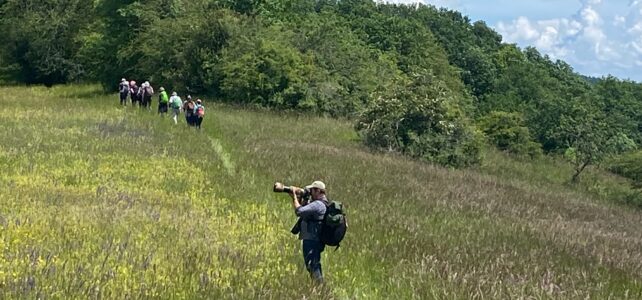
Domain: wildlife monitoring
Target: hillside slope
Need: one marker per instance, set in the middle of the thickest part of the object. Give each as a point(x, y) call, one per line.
point(101, 201)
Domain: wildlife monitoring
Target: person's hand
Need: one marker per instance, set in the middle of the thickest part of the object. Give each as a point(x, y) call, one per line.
point(298, 190)
point(293, 194)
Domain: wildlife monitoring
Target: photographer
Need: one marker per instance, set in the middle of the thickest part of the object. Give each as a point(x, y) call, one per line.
point(311, 216)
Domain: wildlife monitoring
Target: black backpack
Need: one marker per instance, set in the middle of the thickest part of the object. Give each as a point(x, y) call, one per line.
point(334, 224)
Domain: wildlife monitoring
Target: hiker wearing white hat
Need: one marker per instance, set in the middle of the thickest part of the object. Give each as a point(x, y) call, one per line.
point(134, 92)
point(175, 103)
point(123, 90)
point(146, 95)
point(311, 216)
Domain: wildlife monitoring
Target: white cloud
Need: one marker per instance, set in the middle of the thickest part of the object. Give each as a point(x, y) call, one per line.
point(600, 38)
point(594, 45)
point(618, 21)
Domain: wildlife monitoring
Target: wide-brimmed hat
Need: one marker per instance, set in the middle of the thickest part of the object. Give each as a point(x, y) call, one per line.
point(161, 89)
point(174, 94)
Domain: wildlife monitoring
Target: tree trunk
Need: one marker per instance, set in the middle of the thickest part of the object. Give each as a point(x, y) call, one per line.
point(578, 171)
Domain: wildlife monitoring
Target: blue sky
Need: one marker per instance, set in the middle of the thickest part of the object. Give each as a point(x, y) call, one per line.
point(596, 37)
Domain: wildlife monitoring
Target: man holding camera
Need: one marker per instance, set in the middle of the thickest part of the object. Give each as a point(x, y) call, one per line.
point(311, 216)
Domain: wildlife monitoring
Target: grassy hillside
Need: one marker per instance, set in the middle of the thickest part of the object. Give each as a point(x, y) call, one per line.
point(98, 201)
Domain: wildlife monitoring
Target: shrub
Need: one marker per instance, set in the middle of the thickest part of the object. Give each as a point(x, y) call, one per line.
point(264, 68)
point(628, 165)
point(508, 132)
point(420, 117)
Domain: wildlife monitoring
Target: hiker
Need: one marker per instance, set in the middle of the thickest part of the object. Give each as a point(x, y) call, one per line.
point(311, 216)
point(188, 108)
point(123, 89)
point(175, 103)
point(133, 92)
point(163, 100)
point(146, 95)
point(199, 113)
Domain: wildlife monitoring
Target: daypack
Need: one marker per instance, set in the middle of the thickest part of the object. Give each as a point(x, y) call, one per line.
point(124, 87)
point(176, 102)
point(334, 224)
point(200, 111)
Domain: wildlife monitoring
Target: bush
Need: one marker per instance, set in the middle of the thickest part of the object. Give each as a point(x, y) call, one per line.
point(508, 132)
point(420, 117)
point(628, 165)
point(264, 68)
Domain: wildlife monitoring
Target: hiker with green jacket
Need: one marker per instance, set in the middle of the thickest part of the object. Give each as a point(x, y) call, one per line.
point(163, 101)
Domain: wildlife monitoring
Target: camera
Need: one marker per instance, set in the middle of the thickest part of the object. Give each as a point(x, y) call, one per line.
point(303, 194)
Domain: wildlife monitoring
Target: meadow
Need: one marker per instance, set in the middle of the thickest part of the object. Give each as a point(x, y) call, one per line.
point(101, 201)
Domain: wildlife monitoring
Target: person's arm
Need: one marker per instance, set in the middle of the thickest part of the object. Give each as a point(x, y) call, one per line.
point(307, 211)
point(295, 201)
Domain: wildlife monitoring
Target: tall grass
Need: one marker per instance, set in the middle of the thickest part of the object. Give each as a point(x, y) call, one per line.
point(100, 201)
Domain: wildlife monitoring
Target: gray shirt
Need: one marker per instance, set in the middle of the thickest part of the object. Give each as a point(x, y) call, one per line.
point(311, 215)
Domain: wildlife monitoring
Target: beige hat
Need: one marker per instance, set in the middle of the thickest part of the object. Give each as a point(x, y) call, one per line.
point(317, 184)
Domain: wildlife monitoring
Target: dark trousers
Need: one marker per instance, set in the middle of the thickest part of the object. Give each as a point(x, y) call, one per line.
point(123, 98)
point(312, 258)
point(162, 108)
point(147, 101)
point(198, 121)
point(189, 118)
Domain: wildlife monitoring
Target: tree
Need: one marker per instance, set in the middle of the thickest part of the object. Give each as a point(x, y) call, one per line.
point(262, 67)
point(420, 117)
point(41, 39)
point(588, 138)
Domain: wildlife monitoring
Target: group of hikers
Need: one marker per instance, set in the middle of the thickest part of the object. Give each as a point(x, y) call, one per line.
point(194, 110)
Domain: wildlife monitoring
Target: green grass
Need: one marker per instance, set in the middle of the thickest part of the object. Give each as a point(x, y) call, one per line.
point(98, 201)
